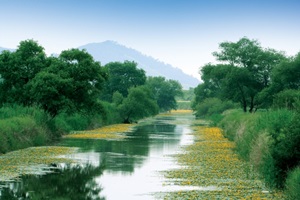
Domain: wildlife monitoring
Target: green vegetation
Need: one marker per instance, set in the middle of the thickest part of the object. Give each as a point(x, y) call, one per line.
point(43, 98)
point(266, 130)
point(210, 163)
point(184, 101)
point(293, 184)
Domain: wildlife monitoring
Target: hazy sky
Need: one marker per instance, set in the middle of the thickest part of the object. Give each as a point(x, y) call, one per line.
point(183, 33)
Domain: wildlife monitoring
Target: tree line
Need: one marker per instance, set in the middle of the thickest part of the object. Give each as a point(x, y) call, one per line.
point(74, 82)
point(250, 75)
point(43, 97)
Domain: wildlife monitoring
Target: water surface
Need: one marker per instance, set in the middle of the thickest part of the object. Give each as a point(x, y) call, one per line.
point(113, 169)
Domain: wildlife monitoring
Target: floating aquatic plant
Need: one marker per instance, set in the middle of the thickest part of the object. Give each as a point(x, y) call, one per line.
point(34, 160)
point(107, 132)
point(211, 162)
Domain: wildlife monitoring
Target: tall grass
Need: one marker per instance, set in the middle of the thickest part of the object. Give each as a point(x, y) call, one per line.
point(293, 184)
point(21, 127)
point(269, 140)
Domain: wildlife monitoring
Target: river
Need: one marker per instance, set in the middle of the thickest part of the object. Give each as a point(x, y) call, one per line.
point(129, 168)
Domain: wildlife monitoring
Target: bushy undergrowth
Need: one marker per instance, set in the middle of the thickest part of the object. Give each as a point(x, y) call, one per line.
point(269, 140)
point(211, 106)
point(184, 105)
point(293, 184)
point(22, 127)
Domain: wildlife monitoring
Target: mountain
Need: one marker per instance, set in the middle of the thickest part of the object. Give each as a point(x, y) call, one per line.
point(110, 51)
point(2, 49)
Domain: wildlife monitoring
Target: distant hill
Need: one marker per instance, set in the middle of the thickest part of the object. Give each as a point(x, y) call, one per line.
point(2, 49)
point(110, 51)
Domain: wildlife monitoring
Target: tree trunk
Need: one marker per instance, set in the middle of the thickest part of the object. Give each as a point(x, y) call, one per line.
point(251, 104)
point(244, 105)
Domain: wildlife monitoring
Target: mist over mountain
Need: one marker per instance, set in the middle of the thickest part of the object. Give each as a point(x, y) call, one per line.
point(110, 51)
point(2, 49)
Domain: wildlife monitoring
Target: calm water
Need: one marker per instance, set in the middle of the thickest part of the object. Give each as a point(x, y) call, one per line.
point(113, 169)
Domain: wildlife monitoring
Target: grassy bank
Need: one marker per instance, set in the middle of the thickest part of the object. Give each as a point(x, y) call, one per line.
point(270, 141)
point(23, 127)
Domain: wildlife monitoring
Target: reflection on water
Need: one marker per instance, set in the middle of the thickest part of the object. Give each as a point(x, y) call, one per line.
point(120, 169)
point(64, 182)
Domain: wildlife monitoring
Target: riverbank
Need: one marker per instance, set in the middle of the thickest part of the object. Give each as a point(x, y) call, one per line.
point(23, 127)
point(211, 165)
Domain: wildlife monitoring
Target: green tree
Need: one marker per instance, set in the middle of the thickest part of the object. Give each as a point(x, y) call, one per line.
point(138, 104)
point(287, 74)
point(72, 83)
point(165, 92)
point(117, 98)
point(18, 68)
point(284, 76)
point(121, 77)
point(255, 65)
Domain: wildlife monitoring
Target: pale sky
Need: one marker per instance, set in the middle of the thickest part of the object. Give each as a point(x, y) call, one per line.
point(183, 33)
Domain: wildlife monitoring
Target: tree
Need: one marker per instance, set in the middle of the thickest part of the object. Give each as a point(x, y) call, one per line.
point(138, 104)
point(18, 68)
point(287, 74)
point(164, 92)
point(284, 76)
point(72, 83)
point(121, 77)
point(50, 92)
point(240, 86)
point(256, 63)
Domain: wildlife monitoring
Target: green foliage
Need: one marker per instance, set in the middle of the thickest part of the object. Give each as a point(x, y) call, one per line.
point(183, 105)
point(138, 104)
point(49, 91)
point(286, 74)
point(286, 99)
point(246, 72)
point(112, 113)
point(18, 68)
point(187, 95)
point(270, 140)
point(67, 123)
point(293, 184)
point(20, 132)
point(117, 98)
point(165, 92)
point(285, 81)
point(70, 83)
point(211, 106)
point(121, 77)
point(67, 88)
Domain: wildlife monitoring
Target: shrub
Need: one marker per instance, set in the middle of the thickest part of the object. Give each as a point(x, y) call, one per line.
point(20, 132)
point(283, 129)
point(293, 184)
point(212, 106)
point(286, 99)
point(183, 105)
point(270, 140)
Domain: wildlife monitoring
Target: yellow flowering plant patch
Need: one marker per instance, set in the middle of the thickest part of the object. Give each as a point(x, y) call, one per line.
point(115, 131)
point(181, 111)
point(34, 160)
point(210, 162)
